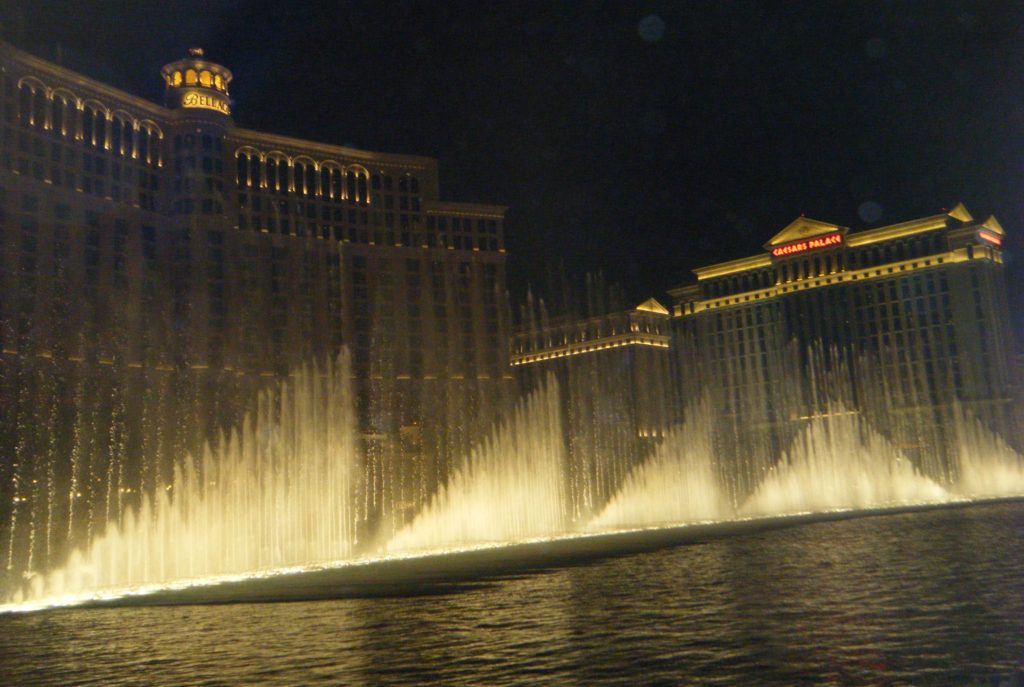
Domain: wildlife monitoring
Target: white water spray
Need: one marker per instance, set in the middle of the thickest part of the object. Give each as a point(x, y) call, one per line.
point(276, 493)
point(511, 488)
point(837, 462)
point(676, 485)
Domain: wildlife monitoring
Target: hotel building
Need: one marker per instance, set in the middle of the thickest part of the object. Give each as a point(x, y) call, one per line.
point(159, 264)
point(915, 312)
point(613, 373)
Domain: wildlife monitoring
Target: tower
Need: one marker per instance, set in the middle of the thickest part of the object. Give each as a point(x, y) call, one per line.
point(197, 95)
point(196, 84)
point(197, 92)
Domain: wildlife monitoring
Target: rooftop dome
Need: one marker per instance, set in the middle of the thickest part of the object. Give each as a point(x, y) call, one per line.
point(195, 83)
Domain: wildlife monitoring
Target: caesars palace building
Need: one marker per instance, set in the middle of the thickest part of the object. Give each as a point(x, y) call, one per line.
point(162, 253)
point(915, 313)
point(905, 325)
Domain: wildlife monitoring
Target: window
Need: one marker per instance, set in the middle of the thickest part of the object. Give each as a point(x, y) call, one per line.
point(25, 94)
point(272, 181)
point(59, 110)
point(243, 178)
point(300, 177)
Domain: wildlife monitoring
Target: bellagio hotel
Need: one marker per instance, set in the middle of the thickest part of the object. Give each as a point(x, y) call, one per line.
point(164, 238)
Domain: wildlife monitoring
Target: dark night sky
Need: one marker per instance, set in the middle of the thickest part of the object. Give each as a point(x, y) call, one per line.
point(638, 138)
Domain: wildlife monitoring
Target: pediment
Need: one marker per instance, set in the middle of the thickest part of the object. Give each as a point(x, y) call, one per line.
point(651, 305)
point(993, 224)
point(960, 212)
point(802, 228)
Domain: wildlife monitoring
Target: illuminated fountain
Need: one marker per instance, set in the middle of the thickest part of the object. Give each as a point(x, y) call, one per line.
point(675, 485)
point(511, 488)
point(288, 490)
point(988, 467)
point(279, 492)
point(837, 462)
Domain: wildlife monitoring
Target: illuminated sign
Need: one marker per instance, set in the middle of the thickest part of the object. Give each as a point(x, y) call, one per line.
point(988, 236)
point(205, 101)
point(807, 244)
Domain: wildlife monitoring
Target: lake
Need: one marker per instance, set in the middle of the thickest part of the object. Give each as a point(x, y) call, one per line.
point(925, 598)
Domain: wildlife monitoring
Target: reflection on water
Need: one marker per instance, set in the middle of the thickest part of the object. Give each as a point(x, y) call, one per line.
point(925, 598)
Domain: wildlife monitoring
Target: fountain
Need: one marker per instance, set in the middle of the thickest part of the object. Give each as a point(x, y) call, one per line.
point(837, 462)
point(988, 467)
point(511, 488)
point(675, 485)
point(277, 493)
point(290, 488)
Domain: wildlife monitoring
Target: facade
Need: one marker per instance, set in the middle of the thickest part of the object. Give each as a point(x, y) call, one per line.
point(159, 264)
point(635, 341)
point(613, 376)
point(901, 323)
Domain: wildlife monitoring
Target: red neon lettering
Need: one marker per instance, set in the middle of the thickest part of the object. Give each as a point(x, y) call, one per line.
point(990, 237)
point(810, 244)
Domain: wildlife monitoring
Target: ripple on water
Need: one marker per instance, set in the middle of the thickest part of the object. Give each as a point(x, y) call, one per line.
point(926, 598)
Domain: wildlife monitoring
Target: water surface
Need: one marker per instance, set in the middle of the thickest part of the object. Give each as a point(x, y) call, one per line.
point(927, 598)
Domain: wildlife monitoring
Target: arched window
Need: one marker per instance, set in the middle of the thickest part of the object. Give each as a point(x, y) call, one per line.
point(272, 174)
point(88, 125)
point(310, 180)
point(337, 183)
point(177, 78)
point(150, 137)
point(364, 195)
point(205, 78)
point(299, 168)
point(351, 186)
point(144, 144)
point(25, 103)
point(64, 113)
point(94, 125)
point(218, 82)
point(39, 105)
point(282, 175)
point(100, 135)
point(325, 182)
point(128, 139)
point(120, 133)
point(190, 77)
point(58, 114)
point(277, 173)
point(115, 135)
point(254, 170)
point(243, 178)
